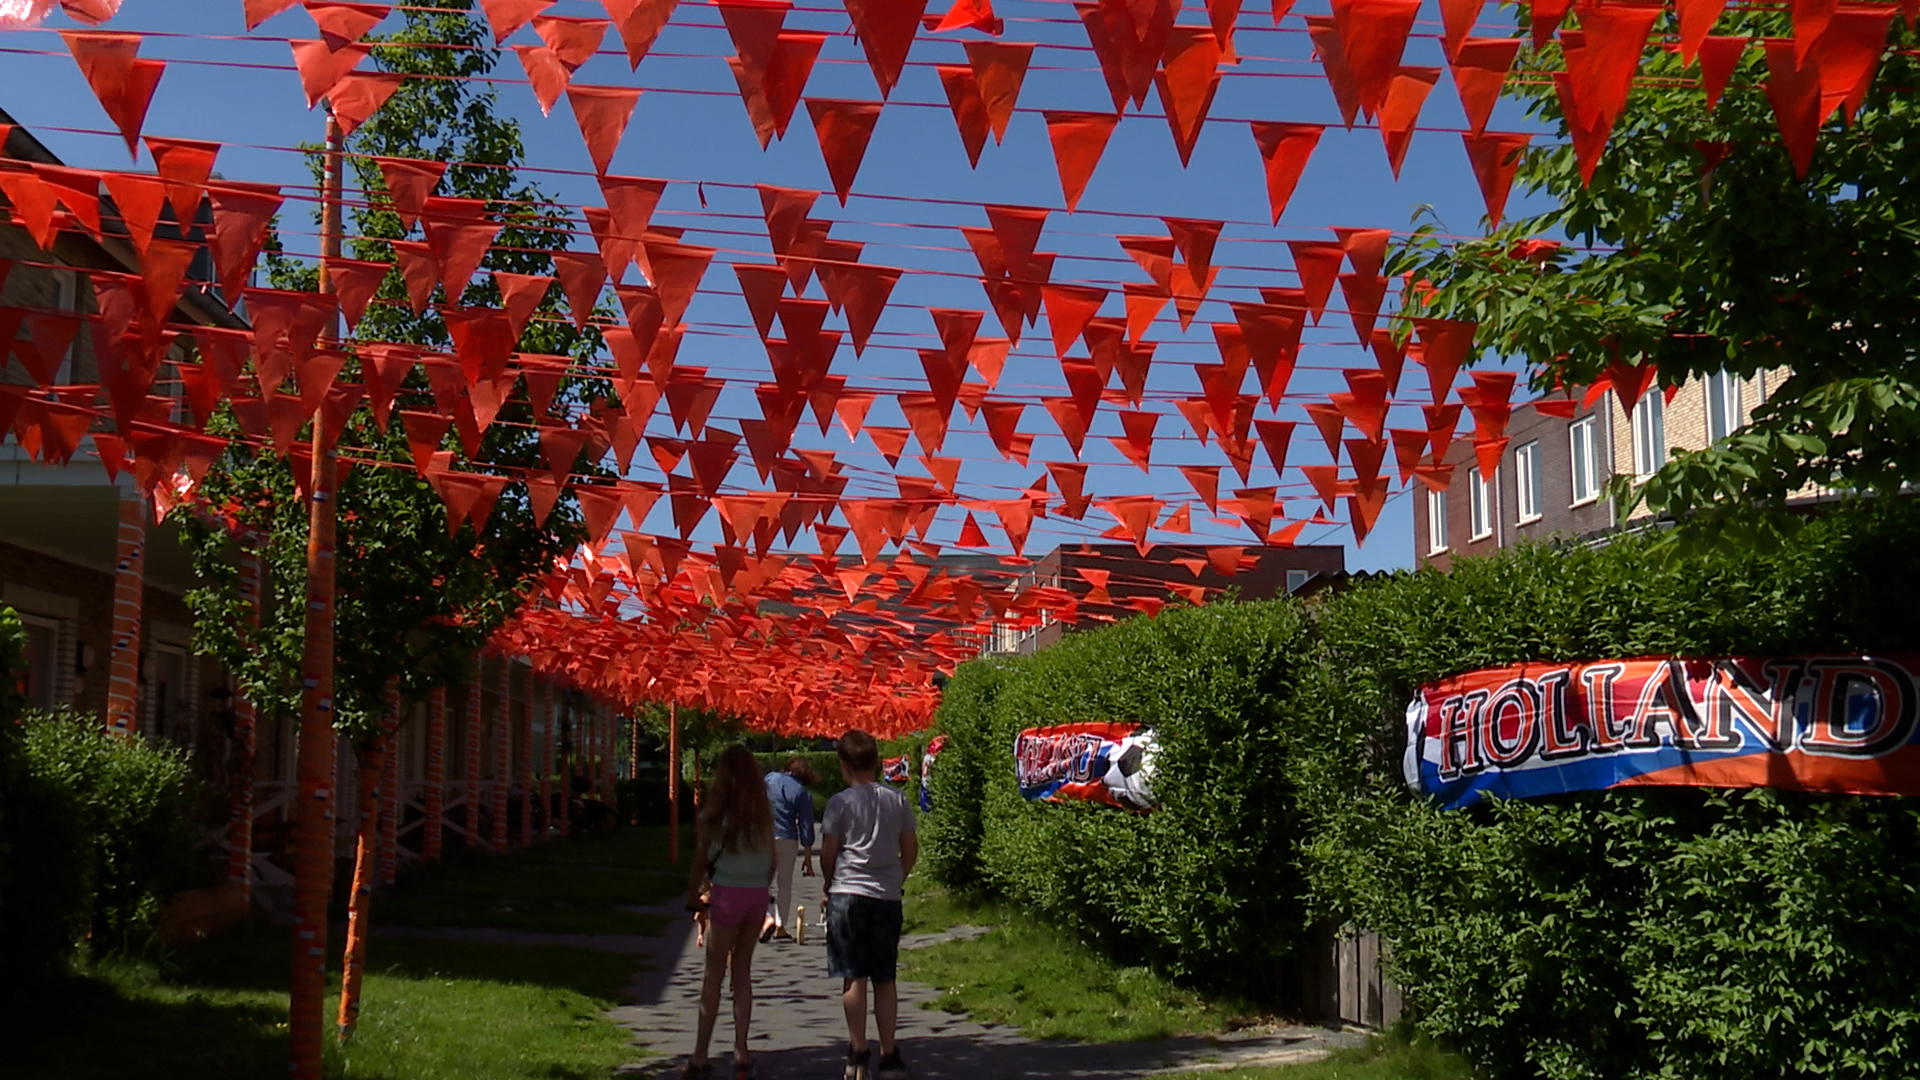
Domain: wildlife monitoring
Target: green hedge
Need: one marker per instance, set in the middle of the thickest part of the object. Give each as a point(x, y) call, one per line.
point(1637, 933)
point(1634, 934)
point(1205, 887)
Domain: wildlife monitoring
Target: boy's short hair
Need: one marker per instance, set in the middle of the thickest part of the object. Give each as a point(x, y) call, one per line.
point(859, 752)
point(798, 768)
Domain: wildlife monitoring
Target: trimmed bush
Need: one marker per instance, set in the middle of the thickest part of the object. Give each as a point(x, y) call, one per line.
point(133, 804)
point(950, 836)
point(1643, 932)
point(1204, 887)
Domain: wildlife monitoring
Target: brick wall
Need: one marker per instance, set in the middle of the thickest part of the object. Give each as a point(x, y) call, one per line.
point(1685, 422)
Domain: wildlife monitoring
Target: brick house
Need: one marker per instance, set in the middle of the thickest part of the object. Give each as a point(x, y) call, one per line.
point(1553, 470)
point(62, 557)
point(1264, 573)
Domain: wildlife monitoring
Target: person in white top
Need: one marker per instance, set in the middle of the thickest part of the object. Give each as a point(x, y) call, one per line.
point(870, 847)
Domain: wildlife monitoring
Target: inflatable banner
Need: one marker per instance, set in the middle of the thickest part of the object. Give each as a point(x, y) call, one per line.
point(938, 744)
point(1843, 724)
point(1111, 764)
point(894, 770)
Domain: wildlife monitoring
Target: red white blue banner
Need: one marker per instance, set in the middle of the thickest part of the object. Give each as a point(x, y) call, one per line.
point(895, 770)
point(1842, 724)
point(1106, 763)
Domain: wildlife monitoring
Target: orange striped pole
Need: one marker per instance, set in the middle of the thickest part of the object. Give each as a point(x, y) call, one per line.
point(436, 790)
point(129, 582)
point(314, 821)
point(375, 781)
point(240, 818)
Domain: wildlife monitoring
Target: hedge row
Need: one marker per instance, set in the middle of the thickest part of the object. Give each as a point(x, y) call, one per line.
point(1634, 934)
point(1179, 887)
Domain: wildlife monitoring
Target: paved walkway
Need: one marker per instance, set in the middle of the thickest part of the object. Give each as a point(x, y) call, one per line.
point(799, 1032)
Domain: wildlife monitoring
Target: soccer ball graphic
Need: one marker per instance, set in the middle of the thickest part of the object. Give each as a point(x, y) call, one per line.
point(1129, 775)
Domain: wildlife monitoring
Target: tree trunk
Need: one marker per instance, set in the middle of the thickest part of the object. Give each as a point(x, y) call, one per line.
point(373, 778)
point(313, 827)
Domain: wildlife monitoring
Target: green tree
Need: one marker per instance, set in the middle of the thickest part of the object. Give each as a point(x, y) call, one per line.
point(415, 601)
point(1695, 268)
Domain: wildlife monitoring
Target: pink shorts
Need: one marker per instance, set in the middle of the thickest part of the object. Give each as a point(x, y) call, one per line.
point(731, 906)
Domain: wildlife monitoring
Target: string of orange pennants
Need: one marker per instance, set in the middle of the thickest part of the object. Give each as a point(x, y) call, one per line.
point(808, 643)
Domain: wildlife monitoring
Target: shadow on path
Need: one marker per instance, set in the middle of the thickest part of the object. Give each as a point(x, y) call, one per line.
point(799, 1032)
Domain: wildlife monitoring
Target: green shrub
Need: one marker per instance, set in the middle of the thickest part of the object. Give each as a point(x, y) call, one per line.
point(1204, 887)
point(43, 884)
point(1641, 932)
point(951, 834)
point(133, 808)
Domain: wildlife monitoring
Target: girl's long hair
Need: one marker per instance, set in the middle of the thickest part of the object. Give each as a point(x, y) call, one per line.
point(736, 809)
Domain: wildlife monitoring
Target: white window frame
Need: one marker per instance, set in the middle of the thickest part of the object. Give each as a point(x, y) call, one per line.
point(1480, 504)
point(1526, 482)
point(1297, 579)
point(1649, 433)
point(1726, 405)
point(1436, 521)
point(1583, 460)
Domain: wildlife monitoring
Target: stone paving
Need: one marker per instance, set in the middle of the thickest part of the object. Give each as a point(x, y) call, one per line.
point(799, 1032)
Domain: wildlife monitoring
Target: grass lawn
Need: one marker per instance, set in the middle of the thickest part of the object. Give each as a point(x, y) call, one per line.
point(1028, 974)
point(431, 1009)
point(574, 887)
point(1385, 1058)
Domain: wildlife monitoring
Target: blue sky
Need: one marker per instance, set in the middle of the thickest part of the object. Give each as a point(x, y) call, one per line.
point(682, 134)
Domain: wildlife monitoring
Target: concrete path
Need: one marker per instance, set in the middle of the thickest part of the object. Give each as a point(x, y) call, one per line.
point(799, 1032)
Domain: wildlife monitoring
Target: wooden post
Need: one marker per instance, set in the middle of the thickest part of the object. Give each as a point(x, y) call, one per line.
point(436, 794)
point(525, 769)
point(502, 754)
point(470, 787)
point(389, 836)
point(673, 784)
point(313, 825)
point(246, 740)
point(549, 727)
point(129, 584)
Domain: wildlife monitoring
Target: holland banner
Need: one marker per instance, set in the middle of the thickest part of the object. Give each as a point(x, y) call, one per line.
point(1106, 763)
point(1842, 724)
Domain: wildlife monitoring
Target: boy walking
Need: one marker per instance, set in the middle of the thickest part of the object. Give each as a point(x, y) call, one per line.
point(870, 847)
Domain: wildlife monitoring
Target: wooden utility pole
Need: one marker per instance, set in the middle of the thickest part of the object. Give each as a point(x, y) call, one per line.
point(673, 784)
point(314, 814)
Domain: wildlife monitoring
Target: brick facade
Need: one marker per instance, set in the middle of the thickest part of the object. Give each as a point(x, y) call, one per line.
point(1685, 420)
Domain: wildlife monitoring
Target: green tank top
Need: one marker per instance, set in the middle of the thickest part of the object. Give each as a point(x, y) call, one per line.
point(743, 869)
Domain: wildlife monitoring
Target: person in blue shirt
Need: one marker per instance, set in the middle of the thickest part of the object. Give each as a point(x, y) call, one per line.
point(792, 835)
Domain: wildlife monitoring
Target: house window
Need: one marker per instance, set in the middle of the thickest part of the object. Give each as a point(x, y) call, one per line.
point(1725, 411)
point(1649, 433)
point(1297, 580)
point(1582, 454)
point(1481, 506)
point(1526, 479)
point(43, 644)
point(1436, 521)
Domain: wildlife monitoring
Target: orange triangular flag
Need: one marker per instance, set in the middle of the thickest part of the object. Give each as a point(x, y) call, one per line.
point(602, 113)
point(506, 16)
point(1188, 78)
point(886, 30)
point(1079, 138)
point(999, 69)
point(410, 184)
point(1285, 148)
point(843, 129)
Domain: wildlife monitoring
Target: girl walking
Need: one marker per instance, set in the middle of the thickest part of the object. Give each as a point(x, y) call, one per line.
point(734, 846)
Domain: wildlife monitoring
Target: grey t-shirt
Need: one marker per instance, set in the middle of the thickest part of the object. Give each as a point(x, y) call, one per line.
point(869, 820)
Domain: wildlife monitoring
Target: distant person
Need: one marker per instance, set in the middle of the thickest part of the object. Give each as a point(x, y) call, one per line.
point(870, 848)
point(792, 834)
point(733, 836)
